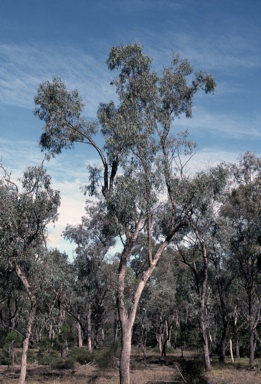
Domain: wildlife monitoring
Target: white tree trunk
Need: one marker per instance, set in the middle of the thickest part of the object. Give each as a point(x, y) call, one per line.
point(30, 321)
point(89, 327)
point(79, 333)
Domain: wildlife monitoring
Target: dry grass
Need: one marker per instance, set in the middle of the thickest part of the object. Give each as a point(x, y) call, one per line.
point(156, 370)
point(235, 373)
point(85, 375)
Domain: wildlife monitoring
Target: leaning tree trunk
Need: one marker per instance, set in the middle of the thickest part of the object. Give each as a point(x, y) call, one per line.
point(126, 317)
point(30, 321)
point(26, 343)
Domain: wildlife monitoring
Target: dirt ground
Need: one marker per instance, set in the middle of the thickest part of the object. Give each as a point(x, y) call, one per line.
point(165, 372)
point(84, 374)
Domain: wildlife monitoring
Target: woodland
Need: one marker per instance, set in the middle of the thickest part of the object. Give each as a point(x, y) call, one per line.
point(188, 273)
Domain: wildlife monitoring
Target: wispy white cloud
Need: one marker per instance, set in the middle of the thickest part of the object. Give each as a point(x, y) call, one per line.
point(229, 125)
point(23, 68)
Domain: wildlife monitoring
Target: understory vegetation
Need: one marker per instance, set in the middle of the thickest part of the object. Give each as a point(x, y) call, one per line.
point(82, 367)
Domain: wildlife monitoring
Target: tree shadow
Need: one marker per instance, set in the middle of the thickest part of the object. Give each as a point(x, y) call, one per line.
point(191, 371)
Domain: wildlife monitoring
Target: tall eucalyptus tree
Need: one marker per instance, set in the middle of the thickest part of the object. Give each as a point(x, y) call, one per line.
point(24, 217)
point(203, 197)
point(243, 208)
point(137, 157)
point(93, 238)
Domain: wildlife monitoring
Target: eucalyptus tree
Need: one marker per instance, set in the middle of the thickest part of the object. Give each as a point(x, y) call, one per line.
point(93, 238)
point(25, 213)
point(203, 195)
point(243, 208)
point(137, 155)
point(224, 281)
point(10, 299)
point(57, 281)
point(160, 303)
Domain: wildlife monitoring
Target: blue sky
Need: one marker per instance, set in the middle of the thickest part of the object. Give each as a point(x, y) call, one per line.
point(40, 39)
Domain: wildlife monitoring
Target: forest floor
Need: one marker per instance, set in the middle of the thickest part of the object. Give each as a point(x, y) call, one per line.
point(172, 369)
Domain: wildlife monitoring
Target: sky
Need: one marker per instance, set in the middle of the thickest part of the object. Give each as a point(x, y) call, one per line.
point(71, 39)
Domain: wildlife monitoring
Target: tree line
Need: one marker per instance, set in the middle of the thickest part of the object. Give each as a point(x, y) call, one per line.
point(188, 274)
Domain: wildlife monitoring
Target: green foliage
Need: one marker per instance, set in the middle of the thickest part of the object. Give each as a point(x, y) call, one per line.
point(65, 338)
point(80, 355)
point(45, 344)
point(192, 371)
point(189, 335)
point(107, 357)
point(63, 364)
point(67, 106)
point(31, 355)
point(47, 358)
point(5, 358)
point(169, 349)
point(14, 337)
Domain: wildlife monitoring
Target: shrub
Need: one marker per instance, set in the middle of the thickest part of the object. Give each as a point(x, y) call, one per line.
point(45, 344)
point(80, 355)
point(63, 364)
point(47, 359)
point(192, 371)
point(169, 349)
point(5, 358)
point(14, 337)
point(107, 357)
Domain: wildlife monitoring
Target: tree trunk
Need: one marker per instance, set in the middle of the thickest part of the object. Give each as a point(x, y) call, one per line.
point(206, 357)
point(126, 337)
point(203, 308)
point(159, 340)
point(223, 341)
point(166, 338)
point(231, 350)
point(26, 344)
point(251, 329)
point(89, 327)
point(30, 321)
point(127, 318)
point(236, 333)
point(251, 342)
point(79, 332)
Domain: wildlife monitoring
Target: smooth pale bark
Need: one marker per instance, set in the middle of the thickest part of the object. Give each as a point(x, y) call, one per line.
point(166, 337)
point(30, 321)
point(125, 353)
point(127, 318)
point(79, 332)
point(231, 350)
point(89, 327)
point(235, 328)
